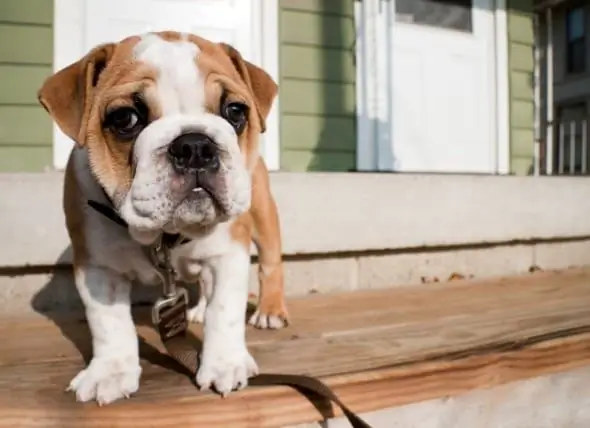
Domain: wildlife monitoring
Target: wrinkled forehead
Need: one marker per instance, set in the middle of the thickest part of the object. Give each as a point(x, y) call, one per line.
point(180, 71)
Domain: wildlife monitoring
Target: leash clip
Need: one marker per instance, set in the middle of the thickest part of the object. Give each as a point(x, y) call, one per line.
point(172, 297)
point(166, 305)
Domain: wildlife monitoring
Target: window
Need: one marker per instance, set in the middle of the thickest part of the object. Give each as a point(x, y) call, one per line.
point(576, 40)
point(449, 14)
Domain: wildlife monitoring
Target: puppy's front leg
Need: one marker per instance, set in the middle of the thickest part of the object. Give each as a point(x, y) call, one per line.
point(114, 370)
point(226, 363)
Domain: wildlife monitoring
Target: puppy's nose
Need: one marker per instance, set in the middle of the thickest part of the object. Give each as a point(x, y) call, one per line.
point(193, 152)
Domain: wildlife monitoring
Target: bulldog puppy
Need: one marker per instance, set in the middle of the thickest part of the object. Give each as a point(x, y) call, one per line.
point(166, 127)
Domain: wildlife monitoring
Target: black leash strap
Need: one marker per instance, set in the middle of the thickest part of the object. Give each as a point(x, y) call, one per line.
point(169, 318)
point(307, 385)
point(172, 326)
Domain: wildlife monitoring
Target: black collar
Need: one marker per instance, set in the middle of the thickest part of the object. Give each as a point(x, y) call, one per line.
point(109, 212)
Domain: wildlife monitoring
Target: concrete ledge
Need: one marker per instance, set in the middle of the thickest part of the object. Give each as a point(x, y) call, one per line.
point(349, 212)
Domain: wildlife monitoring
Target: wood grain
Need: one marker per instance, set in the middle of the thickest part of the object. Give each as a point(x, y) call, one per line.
point(376, 349)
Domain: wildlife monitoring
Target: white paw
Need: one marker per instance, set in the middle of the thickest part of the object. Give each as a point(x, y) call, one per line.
point(106, 380)
point(226, 372)
point(264, 321)
point(197, 313)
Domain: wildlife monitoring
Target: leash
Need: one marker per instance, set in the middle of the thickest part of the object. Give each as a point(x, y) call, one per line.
point(170, 320)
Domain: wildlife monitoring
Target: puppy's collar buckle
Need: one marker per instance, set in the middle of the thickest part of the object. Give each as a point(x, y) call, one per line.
point(172, 296)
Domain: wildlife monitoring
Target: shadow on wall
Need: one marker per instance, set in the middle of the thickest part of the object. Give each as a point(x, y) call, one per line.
point(335, 148)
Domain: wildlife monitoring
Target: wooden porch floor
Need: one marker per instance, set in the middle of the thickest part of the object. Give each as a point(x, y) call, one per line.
point(377, 349)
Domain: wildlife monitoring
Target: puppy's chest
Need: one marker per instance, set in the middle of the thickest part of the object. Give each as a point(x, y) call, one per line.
point(189, 259)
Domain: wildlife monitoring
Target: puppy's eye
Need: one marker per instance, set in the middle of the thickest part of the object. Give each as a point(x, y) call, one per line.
point(236, 114)
point(125, 122)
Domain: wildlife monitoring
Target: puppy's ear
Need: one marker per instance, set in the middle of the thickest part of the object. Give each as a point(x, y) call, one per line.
point(65, 94)
point(263, 88)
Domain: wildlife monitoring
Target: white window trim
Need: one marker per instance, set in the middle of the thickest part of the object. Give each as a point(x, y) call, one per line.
point(266, 30)
point(371, 27)
point(502, 89)
point(68, 46)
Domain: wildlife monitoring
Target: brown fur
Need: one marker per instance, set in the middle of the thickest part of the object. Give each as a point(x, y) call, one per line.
point(76, 97)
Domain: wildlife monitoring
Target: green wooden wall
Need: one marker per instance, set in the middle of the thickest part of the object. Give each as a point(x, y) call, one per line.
point(26, 56)
point(317, 84)
point(521, 67)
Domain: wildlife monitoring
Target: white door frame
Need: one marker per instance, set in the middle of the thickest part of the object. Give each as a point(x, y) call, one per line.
point(68, 46)
point(373, 79)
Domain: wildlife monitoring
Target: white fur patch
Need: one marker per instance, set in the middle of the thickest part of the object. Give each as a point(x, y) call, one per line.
point(226, 363)
point(180, 85)
point(114, 370)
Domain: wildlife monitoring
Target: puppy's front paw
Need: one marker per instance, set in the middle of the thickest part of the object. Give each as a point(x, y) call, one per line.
point(271, 313)
point(226, 371)
point(107, 379)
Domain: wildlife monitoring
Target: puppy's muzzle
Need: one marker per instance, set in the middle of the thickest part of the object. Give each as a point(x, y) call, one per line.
point(194, 152)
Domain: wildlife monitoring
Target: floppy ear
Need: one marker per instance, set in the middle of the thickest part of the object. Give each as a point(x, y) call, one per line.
point(260, 83)
point(64, 94)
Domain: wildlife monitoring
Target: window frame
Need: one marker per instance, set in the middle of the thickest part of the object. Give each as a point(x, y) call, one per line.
point(571, 67)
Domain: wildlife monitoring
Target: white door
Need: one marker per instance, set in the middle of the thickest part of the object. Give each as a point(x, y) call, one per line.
point(218, 20)
point(442, 83)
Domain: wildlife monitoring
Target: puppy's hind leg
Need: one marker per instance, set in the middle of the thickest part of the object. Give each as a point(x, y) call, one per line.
point(272, 309)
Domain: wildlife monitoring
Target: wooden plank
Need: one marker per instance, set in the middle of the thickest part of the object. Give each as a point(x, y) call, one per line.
point(318, 133)
point(317, 63)
point(278, 406)
point(19, 84)
point(24, 125)
point(519, 301)
point(28, 44)
point(377, 349)
point(320, 29)
point(27, 11)
point(25, 158)
point(317, 160)
point(318, 98)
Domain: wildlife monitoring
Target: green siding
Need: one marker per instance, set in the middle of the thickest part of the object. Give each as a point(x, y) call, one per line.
point(26, 56)
point(317, 85)
point(520, 63)
point(308, 160)
point(27, 11)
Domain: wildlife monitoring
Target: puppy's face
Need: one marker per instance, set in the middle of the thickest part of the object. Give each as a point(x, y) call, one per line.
point(171, 124)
